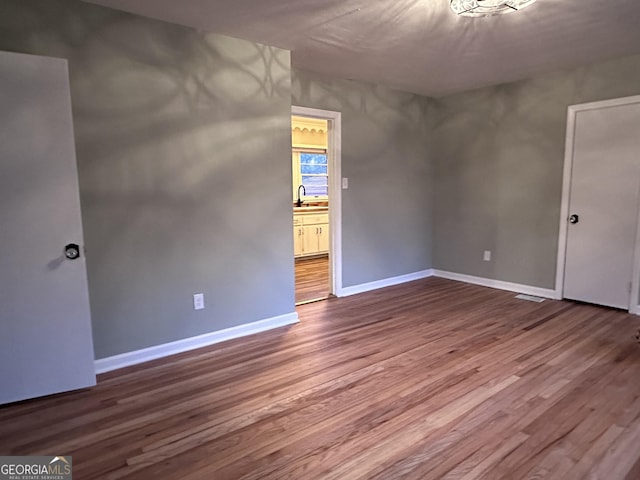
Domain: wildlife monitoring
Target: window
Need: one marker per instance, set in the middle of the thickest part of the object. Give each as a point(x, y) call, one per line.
point(311, 169)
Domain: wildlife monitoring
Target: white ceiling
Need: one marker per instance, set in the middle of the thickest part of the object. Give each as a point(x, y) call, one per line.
point(418, 46)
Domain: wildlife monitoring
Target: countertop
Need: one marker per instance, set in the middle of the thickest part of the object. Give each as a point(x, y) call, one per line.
point(310, 209)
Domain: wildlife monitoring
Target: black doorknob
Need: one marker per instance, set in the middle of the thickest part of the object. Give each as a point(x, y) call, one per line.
point(72, 251)
point(574, 218)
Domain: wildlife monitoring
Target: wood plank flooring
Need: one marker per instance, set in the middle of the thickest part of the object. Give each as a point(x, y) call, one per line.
point(429, 380)
point(312, 278)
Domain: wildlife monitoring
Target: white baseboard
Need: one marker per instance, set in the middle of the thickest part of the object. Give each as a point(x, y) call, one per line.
point(107, 364)
point(485, 282)
point(500, 285)
point(387, 282)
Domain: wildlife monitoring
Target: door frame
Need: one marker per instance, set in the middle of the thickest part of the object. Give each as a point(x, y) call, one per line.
point(572, 113)
point(335, 189)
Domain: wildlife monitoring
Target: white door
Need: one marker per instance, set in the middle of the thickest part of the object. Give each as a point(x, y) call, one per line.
point(45, 327)
point(603, 205)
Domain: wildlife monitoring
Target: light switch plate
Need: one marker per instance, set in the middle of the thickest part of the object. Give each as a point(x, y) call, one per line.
point(345, 183)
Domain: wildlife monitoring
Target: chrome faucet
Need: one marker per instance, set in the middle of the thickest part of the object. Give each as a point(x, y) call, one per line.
point(304, 192)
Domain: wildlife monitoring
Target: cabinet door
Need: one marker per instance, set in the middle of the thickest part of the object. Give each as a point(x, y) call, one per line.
point(310, 239)
point(297, 241)
point(323, 238)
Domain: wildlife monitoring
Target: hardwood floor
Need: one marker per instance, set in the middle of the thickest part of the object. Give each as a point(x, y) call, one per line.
point(429, 380)
point(312, 278)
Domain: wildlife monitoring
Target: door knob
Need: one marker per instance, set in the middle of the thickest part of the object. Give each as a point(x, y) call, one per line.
point(574, 218)
point(72, 251)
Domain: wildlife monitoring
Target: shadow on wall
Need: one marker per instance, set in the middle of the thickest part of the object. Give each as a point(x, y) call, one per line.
point(385, 145)
point(499, 162)
point(183, 147)
point(499, 175)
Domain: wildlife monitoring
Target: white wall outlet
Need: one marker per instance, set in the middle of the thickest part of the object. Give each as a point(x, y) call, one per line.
point(198, 301)
point(345, 183)
point(487, 255)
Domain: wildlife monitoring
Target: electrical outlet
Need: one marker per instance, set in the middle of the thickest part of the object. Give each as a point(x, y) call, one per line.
point(198, 301)
point(345, 183)
point(487, 255)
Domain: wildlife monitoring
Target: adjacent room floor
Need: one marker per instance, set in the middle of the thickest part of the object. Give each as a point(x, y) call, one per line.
point(312, 278)
point(428, 380)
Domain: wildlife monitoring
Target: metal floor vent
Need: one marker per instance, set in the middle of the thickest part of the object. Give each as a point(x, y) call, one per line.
point(531, 298)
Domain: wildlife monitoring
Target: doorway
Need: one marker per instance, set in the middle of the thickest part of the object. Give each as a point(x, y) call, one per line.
point(598, 245)
point(316, 200)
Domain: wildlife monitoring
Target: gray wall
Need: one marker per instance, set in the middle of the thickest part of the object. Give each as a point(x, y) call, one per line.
point(386, 212)
point(499, 155)
point(176, 198)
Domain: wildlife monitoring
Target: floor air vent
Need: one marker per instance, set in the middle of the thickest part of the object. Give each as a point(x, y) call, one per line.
point(531, 298)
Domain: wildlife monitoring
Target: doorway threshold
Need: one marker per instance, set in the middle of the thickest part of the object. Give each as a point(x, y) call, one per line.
point(314, 300)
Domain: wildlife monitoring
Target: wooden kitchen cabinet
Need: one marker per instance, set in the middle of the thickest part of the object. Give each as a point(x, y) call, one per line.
point(310, 233)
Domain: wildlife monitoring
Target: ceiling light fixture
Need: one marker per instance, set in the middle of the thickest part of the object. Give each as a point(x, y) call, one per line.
point(483, 8)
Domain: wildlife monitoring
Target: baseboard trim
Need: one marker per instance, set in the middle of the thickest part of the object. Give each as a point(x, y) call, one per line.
point(500, 285)
point(387, 282)
point(122, 360)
